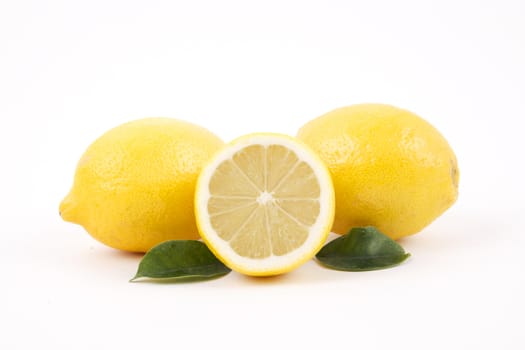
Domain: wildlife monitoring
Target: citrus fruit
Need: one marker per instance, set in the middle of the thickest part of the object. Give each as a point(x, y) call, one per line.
point(264, 204)
point(134, 186)
point(391, 169)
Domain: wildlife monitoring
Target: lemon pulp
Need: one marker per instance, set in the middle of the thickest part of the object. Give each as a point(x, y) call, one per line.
point(265, 204)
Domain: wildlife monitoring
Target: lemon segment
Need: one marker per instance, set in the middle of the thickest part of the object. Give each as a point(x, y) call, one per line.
point(264, 204)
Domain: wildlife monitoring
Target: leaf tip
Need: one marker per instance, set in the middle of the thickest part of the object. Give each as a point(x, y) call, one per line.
point(135, 278)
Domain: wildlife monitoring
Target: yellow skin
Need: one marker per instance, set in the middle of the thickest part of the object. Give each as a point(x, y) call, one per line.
point(391, 169)
point(134, 186)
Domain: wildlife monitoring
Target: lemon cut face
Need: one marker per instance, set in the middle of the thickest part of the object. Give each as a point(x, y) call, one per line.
point(264, 204)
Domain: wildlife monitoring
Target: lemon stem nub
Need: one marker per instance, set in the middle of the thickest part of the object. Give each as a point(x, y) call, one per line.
point(67, 209)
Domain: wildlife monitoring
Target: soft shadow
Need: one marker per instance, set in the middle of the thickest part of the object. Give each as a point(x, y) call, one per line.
point(309, 273)
point(128, 255)
point(266, 280)
point(111, 253)
point(454, 235)
point(178, 280)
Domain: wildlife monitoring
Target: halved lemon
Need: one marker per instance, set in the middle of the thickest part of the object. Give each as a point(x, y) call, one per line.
point(264, 204)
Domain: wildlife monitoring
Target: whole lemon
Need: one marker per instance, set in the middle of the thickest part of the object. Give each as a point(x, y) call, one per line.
point(134, 186)
point(391, 169)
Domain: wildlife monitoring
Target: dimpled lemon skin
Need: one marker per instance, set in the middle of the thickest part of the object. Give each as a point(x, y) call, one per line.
point(391, 169)
point(134, 186)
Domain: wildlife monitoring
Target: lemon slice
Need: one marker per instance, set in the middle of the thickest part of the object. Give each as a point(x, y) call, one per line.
point(264, 204)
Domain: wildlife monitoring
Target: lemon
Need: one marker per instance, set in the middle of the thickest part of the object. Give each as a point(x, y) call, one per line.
point(264, 204)
point(391, 169)
point(134, 186)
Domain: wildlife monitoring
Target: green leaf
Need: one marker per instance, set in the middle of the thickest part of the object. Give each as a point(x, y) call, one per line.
point(362, 249)
point(179, 260)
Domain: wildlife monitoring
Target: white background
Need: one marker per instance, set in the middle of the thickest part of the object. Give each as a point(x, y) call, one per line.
point(70, 70)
